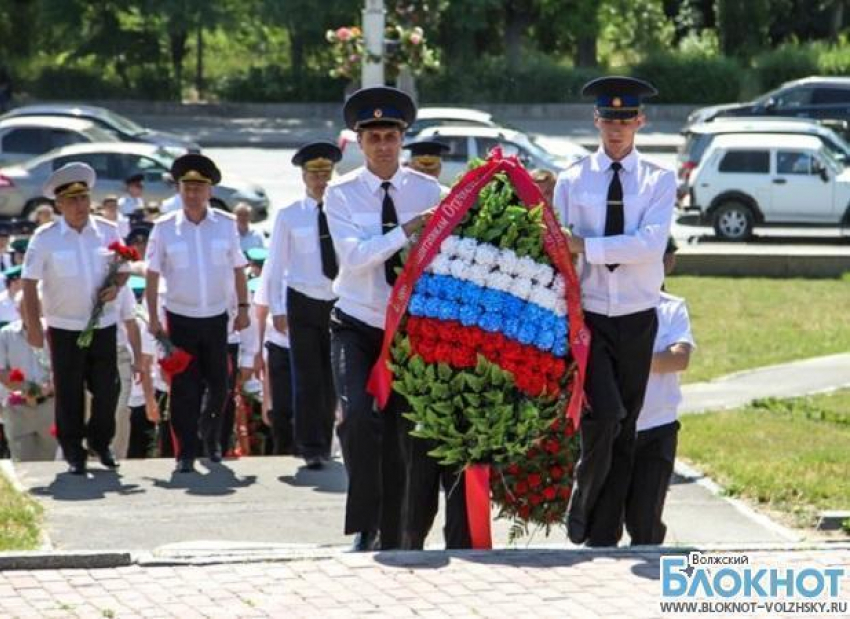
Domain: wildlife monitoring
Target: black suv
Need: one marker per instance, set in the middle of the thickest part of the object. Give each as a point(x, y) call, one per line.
point(820, 98)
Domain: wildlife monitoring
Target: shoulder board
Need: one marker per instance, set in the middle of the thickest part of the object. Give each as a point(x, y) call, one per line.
point(345, 178)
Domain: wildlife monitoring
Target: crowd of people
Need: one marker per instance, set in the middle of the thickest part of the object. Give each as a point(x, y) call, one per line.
point(280, 335)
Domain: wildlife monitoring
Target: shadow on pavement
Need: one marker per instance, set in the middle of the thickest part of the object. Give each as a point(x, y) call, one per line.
point(95, 485)
point(219, 480)
point(331, 478)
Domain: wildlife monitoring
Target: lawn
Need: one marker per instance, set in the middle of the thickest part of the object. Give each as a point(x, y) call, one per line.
point(791, 455)
point(20, 519)
point(742, 323)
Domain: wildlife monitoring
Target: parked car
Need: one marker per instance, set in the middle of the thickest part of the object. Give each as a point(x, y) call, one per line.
point(352, 156)
point(25, 138)
point(699, 137)
point(20, 186)
point(120, 126)
point(821, 98)
point(750, 180)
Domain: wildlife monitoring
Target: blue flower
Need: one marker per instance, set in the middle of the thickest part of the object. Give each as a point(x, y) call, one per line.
point(492, 300)
point(472, 293)
point(527, 333)
point(532, 313)
point(439, 286)
point(453, 289)
point(423, 284)
point(448, 310)
point(545, 339)
point(491, 321)
point(560, 327)
point(468, 314)
point(417, 304)
point(511, 326)
point(432, 307)
point(512, 306)
point(560, 347)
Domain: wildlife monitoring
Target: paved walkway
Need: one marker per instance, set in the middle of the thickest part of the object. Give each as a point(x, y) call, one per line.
point(538, 583)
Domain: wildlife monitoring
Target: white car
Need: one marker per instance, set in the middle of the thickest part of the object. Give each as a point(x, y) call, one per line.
point(25, 137)
point(352, 156)
point(748, 180)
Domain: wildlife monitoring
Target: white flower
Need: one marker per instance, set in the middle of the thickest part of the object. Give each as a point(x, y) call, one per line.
point(465, 249)
point(486, 255)
point(441, 264)
point(561, 306)
point(477, 274)
point(521, 288)
point(507, 261)
point(544, 274)
point(526, 268)
point(449, 245)
point(559, 286)
point(458, 268)
point(543, 297)
point(500, 281)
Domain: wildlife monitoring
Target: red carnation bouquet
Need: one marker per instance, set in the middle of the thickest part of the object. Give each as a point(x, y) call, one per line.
point(121, 254)
point(175, 360)
point(28, 394)
point(536, 490)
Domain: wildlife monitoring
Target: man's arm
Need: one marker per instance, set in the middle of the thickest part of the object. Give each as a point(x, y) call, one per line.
point(675, 359)
point(32, 314)
point(134, 336)
point(274, 272)
point(243, 319)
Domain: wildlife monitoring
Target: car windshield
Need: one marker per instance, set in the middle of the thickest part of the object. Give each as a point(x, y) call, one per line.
point(122, 123)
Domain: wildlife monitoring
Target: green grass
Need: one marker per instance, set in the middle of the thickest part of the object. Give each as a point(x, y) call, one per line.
point(790, 455)
point(743, 323)
point(20, 519)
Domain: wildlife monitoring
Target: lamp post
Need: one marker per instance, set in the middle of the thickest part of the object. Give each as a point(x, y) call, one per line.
point(374, 17)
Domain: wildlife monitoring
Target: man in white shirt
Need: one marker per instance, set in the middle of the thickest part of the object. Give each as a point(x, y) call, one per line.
point(619, 207)
point(301, 268)
point(657, 424)
point(196, 250)
point(70, 257)
point(249, 238)
point(372, 213)
point(133, 200)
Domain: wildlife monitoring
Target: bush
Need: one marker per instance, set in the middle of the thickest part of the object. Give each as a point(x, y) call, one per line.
point(691, 78)
point(788, 62)
point(72, 83)
point(274, 83)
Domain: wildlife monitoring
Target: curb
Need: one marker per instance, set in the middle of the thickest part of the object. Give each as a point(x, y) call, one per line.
point(64, 560)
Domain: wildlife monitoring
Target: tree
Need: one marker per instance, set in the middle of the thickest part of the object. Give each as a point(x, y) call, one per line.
point(743, 26)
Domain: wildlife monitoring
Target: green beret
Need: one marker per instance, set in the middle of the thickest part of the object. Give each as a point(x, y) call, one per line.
point(257, 254)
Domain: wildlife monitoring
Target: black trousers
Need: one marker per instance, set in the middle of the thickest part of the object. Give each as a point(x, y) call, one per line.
point(142, 441)
point(229, 415)
point(206, 340)
point(76, 369)
point(312, 375)
point(424, 478)
point(655, 456)
point(617, 373)
point(280, 384)
point(370, 439)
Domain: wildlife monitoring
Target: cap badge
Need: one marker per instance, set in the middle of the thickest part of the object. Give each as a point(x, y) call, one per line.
point(616, 102)
point(378, 113)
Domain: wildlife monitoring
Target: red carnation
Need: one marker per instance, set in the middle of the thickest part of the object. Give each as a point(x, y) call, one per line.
point(535, 499)
point(524, 512)
point(123, 251)
point(553, 446)
point(512, 469)
point(549, 493)
point(534, 480)
point(176, 362)
point(521, 488)
point(533, 453)
point(565, 492)
point(54, 432)
point(16, 375)
point(556, 472)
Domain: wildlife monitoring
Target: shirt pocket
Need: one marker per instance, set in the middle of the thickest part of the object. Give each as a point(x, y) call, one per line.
point(305, 240)
point(65, 263)
point(587, 212)
point(220, 252)
point(177, 255)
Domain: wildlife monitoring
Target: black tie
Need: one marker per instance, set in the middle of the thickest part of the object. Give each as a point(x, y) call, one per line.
point(326, 246)
point(389, 220)
point(614, 218)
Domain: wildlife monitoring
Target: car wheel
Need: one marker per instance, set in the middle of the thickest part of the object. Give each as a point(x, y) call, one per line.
point(733, 221)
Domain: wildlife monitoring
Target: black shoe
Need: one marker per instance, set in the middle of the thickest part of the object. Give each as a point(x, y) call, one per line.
point(314, 463)
point(77, 468)
point(107, 458)
point(185, 466)
point(214, 451)
point(365, 541)
point(576, 531)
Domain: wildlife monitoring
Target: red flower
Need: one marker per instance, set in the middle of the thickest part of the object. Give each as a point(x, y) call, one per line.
point(565, 492)
point(549, 493)
point(54, 432)
point(175, 363)
point(534, 480)
point(556, 472)
point(512, 469)
point(123, 251)
point(524, 512)
point(535, 499)
point(16, 375)
point(520, 488)
point(553, 446)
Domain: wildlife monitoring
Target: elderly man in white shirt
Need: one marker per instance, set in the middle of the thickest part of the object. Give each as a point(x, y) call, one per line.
point(301, 268)
point(70, 257)
point(619, 207)
point(372, 214)
point(196, 250)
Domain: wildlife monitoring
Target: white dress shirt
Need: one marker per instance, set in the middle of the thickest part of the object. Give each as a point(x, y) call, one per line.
point(72, 267)
point(261, 297)
point(353, 207)
point(295, 258)
point(251, 239)
point(649, 195)
point(15, 352)
point(196, 260)
point(127, 204)
point(8, 308)
point(663, 395)
point(126, 304)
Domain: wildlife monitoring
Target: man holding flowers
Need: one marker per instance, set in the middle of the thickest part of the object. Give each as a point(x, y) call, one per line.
point(619, 207)
point(72, 259)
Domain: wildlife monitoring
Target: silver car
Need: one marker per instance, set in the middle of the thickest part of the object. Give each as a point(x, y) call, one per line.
point(27, 137)
point(20, 186)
